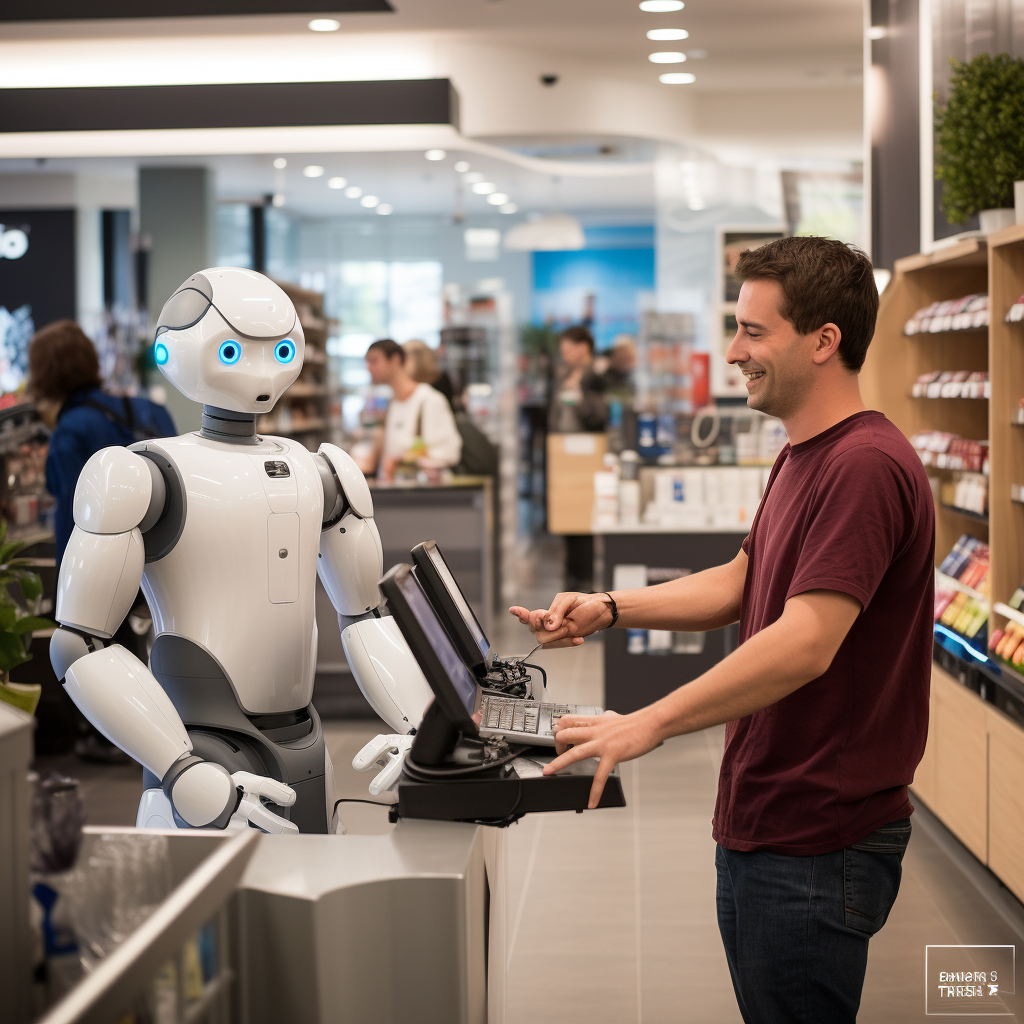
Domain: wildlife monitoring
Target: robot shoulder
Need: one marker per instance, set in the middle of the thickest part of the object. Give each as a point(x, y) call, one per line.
point(349, 481)
point(114, 492)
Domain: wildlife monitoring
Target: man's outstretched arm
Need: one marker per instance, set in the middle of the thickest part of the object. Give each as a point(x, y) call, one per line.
point(798, 647)
point(707, 600)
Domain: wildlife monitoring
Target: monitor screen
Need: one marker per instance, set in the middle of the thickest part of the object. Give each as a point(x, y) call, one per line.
point(455, 592)
point(458, 674)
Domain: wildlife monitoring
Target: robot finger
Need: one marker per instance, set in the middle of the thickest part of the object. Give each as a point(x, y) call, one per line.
point(265, 819)
point(261, 786)
point(388, 778)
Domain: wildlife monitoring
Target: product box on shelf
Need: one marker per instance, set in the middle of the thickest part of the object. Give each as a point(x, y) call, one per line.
point(964, 314)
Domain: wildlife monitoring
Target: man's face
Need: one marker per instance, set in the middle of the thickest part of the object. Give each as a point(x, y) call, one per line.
point(574, 353)
point(382, 370)
point(777, 361)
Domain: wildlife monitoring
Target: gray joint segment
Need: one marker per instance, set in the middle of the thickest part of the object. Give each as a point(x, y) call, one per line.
point(176, 771)
point(228, 426)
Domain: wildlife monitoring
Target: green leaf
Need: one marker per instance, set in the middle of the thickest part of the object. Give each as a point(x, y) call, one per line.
point(12, 651)
point(31, 584)
point(30, 623)
point(8, 551)
point(8, 616)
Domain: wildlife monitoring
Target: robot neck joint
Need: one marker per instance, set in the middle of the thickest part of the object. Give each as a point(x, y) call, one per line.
point(228, 426)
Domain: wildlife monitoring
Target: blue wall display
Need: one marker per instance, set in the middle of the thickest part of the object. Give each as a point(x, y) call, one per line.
point(601, 285)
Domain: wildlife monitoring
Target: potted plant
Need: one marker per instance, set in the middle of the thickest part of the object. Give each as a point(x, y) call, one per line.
point(20, 594)
point(979, 138)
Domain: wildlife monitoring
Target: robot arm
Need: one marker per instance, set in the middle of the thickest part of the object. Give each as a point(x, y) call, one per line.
point(119, 496)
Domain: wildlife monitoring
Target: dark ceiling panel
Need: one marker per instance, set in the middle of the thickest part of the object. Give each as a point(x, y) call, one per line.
point(258, 105)
point(69, 10)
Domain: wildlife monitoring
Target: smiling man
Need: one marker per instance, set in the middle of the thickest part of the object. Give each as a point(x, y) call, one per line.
point(826, 697)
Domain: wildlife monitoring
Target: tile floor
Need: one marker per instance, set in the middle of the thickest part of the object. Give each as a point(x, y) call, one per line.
point(611, 914)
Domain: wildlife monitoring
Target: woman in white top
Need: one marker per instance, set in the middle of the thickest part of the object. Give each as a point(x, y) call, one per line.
point(419, 427)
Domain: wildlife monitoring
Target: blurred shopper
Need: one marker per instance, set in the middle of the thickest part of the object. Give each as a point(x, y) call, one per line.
point(617, 379)
point(64, 380)
point(577, 403)
point(826, 697)
point(419, 429)
point(421, 364)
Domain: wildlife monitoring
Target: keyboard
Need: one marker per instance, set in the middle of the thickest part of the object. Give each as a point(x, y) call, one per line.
point(527, 721)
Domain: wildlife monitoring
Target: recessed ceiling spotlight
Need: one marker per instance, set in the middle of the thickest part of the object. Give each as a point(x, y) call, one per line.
point(324, 25)
point(474, 176)
point(369, 202)
point(510, 208)
point(662, 34)
point(313, 171)
point(435, 154)
point(462, 166)
point(667, 57)
point(278, 199)
point(661, 6)
point(385, 208)
point(677, 78)
point(336, 182)
point(280, 164)
point(353, 192)
point(497, 199)
point(484, 188)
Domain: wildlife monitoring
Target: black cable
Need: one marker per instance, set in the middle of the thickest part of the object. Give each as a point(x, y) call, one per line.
point(429, 773)
point(356, 800)
point(527, 664)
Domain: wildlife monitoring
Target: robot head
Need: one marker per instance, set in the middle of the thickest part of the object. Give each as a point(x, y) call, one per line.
point(230, 338)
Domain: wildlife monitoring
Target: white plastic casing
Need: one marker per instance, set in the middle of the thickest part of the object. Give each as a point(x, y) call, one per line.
point(113, 492)
point(387, 673)
point(201, 793)
point(353, 483)
point(119, 695)
point(256, 315)
point(99, 580)
point(224, 585)
point(351, 563)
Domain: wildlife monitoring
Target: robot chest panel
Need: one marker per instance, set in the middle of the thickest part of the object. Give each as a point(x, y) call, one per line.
point(252, 522)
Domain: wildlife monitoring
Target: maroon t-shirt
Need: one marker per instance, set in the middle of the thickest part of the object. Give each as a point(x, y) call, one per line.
point(850, 510)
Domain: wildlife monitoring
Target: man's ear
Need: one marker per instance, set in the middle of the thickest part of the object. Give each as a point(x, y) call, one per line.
point(826, 343)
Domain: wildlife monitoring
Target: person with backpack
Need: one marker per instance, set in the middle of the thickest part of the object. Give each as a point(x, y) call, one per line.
point(64, 379)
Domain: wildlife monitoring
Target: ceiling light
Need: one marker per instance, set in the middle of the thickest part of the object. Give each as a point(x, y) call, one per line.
point(667, 57)
point(280, 163)
point(278, 199)
point(462, 166)
point(497, 199)
point(677, 78)
point(435, 154)
point(336, 182)
point(385, 208)
point(324, 25)
point(661, 6)
point(369, 202)
point(509, 208)
point(353, 192)
point(548, 234)
point(877, 32)
point(474, 176)
point(484, 188)
point(660, 34)
point(313, 171)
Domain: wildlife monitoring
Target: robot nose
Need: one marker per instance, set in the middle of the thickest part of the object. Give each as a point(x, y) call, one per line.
point(264, 389)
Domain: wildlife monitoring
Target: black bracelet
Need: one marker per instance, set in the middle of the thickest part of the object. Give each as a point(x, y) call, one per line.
point(615, 610)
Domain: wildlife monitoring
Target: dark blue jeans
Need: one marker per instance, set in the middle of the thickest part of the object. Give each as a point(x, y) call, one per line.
point(796, 929)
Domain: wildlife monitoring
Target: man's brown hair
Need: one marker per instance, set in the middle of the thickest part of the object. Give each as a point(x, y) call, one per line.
point(62, 360)
point(823, 282)
point(580, 335)
point(389, 348)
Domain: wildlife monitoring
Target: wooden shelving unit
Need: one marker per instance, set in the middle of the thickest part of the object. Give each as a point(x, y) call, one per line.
point(304, 410)
point(973, 769)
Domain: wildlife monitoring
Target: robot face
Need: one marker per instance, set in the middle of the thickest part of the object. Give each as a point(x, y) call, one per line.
point(230, 338)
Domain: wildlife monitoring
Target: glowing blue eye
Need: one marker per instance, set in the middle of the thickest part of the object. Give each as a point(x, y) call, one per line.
point(284, 351)
point(160, 353)
point(230, 352)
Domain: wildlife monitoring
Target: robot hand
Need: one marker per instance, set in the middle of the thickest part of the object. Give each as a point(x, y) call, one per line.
point(252, 809)
point(387, 750)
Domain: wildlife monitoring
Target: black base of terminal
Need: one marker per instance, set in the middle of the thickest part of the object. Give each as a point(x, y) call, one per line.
point(993, 683)
point(501, 797)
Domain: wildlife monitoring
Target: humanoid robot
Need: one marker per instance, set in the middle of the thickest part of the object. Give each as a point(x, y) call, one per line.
point(226, 531)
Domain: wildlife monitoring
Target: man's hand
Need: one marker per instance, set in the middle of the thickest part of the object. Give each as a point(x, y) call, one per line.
point(570, 618)
point(610, 737)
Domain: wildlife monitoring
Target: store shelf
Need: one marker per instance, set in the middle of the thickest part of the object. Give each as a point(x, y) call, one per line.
point(965, 512)
point(1008, 613)
point(942, 580)
point(952, 330)
point(950, 398)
